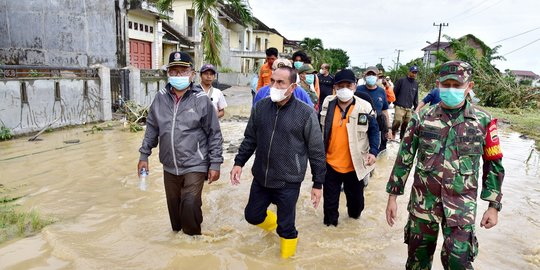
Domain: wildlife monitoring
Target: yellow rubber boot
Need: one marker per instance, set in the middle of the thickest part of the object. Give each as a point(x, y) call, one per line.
point(288, 247)
point(270, 222)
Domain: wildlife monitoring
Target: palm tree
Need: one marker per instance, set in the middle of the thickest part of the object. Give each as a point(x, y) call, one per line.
point(205, 10)
point(314, 48)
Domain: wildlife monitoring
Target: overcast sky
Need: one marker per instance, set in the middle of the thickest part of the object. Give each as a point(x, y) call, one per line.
point(369, 30)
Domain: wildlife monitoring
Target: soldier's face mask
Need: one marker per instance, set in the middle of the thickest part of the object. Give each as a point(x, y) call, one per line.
point(451, 96)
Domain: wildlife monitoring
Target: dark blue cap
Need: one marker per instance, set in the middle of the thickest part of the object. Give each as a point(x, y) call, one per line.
point(413, 69)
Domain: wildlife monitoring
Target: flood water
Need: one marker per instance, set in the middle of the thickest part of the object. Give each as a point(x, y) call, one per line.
point(103, 220)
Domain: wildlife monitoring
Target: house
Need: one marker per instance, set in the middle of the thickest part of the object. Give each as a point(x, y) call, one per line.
point(183, 20)
point(266, 37)
point(150, 39)
point(290, 46)
point(526, 75)
point(430, 58)
point(240, 54)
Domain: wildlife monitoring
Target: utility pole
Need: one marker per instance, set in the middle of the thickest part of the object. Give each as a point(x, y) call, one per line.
point(365, 65)
point(440, 25)
point(398, 52)
point(381, 60)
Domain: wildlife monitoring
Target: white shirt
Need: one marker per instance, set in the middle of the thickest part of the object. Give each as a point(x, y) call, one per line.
point(217, 98)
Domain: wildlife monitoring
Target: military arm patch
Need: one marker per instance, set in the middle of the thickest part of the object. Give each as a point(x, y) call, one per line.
point(492, 148)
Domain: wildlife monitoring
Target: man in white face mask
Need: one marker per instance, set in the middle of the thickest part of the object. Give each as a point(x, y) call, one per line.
point(345, 116)
point(183, 121)
point(284, 134)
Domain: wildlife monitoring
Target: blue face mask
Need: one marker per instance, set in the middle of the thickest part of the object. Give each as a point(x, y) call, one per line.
point(179, 82)
point(452, 96)
point(310, 78)
point(371, 80)
point(298, 64)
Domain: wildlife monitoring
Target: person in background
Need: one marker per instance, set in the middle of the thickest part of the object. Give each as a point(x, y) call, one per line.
point(183, 121)
point(284, 134)
point(265, 74)
point(253, 85)
point(326, 83)
point(208, 74)
point(351, 138)
point(389, 81)
point(432, 98)
point(449, 138)
point(378, 96)
point(406, 91)
point(306, 73)
point(389, 89)
point(298, 92)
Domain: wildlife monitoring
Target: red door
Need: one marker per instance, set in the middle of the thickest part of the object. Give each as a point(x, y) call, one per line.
point(140, 53)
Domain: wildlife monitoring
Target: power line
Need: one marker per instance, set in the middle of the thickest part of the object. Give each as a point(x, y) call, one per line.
point(521, 47)
point(467, 10)
point(496, 42)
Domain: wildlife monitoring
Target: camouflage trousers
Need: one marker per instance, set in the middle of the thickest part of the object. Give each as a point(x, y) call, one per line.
point(459, 249)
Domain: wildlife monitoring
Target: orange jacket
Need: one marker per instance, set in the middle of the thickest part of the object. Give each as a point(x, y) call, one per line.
point(390, 96)
point(265, 74)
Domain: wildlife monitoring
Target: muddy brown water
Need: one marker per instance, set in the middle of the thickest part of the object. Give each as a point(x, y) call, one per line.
point(103, 221)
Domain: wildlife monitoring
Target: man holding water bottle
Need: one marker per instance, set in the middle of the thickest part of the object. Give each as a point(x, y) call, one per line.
point(184, 122)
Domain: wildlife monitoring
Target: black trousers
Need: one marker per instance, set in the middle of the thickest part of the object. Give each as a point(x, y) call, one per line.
point(183, 193)
point(354, 192)
point(284, 198)
point(384, 141)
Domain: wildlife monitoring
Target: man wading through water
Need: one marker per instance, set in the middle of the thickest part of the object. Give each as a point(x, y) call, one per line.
point(184, 122)
point(284, 133)
point(450, 137)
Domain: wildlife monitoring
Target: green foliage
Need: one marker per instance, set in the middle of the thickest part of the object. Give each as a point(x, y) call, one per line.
point(5, 133)
point(135, 114)
point(337, 58)
point(204, 10)
point(14, 223)
point(314, 48)
point(33, 73)
point(225, 70)
point(493, 89)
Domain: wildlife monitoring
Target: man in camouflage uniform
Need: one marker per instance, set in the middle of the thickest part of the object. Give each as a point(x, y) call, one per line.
point(450, 138)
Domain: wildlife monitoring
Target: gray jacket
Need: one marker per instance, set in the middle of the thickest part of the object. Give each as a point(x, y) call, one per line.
point(188, 132)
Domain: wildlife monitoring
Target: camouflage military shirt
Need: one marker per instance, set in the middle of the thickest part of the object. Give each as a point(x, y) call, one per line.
point(446, 174)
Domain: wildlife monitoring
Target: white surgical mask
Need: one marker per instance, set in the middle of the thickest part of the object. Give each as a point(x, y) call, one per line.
point(344, 94)
point(277, 95)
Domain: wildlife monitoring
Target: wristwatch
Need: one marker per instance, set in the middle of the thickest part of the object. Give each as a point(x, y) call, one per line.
point(496, 205)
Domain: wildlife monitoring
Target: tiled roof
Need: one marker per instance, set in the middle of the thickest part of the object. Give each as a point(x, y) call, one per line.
point(433, 46)
point(524, 73)
point(169, 30)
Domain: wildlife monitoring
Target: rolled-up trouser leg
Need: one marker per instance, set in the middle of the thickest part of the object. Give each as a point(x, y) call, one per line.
point(399, 113)
point(407, 116)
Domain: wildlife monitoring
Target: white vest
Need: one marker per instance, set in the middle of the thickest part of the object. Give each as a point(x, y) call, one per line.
point(357, 134)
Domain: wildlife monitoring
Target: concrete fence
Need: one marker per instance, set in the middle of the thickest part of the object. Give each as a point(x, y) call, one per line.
point(34, 97)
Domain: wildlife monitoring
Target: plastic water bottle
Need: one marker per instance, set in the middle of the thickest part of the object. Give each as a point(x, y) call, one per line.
point(142, 179)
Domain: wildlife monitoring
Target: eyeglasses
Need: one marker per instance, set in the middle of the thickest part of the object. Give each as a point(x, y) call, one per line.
point(174, 72)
